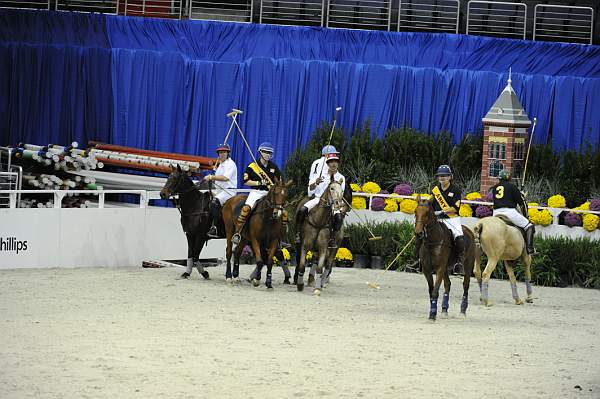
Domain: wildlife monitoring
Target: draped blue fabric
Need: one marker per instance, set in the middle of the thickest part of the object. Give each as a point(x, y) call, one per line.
point(167, 85)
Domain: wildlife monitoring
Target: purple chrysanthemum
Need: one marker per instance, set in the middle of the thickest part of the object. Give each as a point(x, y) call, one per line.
point(573, 219)
point(403, 189)
point(377, 204)
point(595, 205)
point(483, 211)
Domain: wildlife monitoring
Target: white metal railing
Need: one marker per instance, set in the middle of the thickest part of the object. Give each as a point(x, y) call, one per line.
point(154, 8)
point(564, 23)
point(59, 195)
point(497, 18)
point(8, 181)
point(222, 10)
point(429, 15)
point(101, 6)
point(360, 14)
point(554, 211)
point(299, 12)
point(27, 4)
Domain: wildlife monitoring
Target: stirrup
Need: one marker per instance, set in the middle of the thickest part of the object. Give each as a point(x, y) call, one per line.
point(213, 233)
point(331, 243)
point(236, 238)
point(284, 244)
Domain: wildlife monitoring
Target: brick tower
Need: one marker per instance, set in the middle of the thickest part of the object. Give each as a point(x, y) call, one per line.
point(505, 128)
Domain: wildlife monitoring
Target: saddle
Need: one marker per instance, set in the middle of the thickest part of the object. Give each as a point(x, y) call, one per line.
point(511, 224)
point(448, 234)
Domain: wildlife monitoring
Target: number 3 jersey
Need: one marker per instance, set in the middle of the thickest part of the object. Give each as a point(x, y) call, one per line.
point(506, 195)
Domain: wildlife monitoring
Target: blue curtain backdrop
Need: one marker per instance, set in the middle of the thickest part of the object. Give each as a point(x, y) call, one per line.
point(167, 85)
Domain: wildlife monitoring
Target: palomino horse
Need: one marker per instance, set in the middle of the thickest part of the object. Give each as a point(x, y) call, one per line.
point(436, 252)
point(263, 229)
point(195, 216)
point(499, 241)
point(315, 235)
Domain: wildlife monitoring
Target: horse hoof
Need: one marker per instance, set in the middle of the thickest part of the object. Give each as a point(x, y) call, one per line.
point(431, 317)
point(487, 303)
point(529, 300)
point(295, 281)
point(229, 280)
point(286, 281)
point(236, 280)
point(444, 315)
point(300, 287)
point(205, 275)
point(255, 282)
point(317, 292)
point(519, 301)
point(269, 286)
point(185, 275)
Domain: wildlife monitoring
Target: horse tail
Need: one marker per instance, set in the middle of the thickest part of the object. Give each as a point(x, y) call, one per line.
point(477, 233)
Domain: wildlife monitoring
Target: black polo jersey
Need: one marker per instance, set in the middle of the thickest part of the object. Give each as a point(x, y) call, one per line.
point(271, 170)
point(451, 195)
point(506, 195)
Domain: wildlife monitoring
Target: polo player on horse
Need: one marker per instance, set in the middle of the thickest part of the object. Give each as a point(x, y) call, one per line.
point(259, 175)
point(225, 178)
point(327, 167)
point(507, 198)
point(446, 204)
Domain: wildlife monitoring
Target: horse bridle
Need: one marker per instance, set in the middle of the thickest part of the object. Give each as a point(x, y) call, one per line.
point(175, 191)
point(423, 234)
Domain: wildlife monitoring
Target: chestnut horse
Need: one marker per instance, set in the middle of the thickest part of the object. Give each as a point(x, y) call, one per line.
point(263, 230)
point(436, 254)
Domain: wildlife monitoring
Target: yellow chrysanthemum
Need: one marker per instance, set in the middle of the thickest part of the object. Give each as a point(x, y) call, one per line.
point(343, 254)
point(309, 256)
point(557, 201)
point(465, 210)
point(473, 196)
point(355, 187)
point(359, 203)
point(423, 196)
point(286, 254)
point(590, 222)
point(583, 207)
point(371, 187)
point(542, 217)
point(408, 206)
point(391, 205)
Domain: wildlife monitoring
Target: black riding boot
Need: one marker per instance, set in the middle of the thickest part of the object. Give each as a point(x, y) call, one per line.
point(300, 218)
point(215, 211)
point(459, 245)
point(529, 233)
point(336, 225)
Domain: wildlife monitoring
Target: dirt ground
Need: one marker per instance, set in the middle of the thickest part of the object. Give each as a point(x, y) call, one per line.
point(141, 333)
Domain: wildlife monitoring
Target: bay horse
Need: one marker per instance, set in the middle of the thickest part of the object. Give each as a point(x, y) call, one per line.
point(263, 230)
point(195, 216)
point(315, 233)
point(436, 253)
point(500, 241)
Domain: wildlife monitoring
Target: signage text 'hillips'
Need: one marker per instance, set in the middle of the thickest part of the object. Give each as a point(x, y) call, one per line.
point(12, 244)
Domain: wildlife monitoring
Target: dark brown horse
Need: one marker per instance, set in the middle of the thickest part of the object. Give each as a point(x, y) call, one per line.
point(315, 235)
point(263, 230)
point(195, 216)
point(436, 254)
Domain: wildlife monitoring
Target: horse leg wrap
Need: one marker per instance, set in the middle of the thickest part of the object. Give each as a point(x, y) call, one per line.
point(529, 287)
point(189, 265)
point(464, 304)
point(445, 300)
point(484, 291)
point(269, 280)
point(515, 294)
point(433, 309)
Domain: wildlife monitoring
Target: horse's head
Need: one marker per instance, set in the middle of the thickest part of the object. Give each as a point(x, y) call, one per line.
point(424, 215)
point(178, 182)
point(277, 196)
point(334, 196)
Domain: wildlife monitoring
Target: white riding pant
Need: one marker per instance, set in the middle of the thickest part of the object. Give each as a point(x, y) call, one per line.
point(454, 225)
point(254, 196)
point(514, 216)
point(314, 202)
point(223, 195)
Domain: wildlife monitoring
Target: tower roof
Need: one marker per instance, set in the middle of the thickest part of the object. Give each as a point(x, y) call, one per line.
point(507, 109)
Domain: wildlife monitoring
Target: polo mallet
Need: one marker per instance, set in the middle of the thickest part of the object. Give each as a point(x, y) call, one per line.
point(373, 236)
point(338, 109)
point(239, 129)
point(528, 149)
point(376, 286)
point(233, 114)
